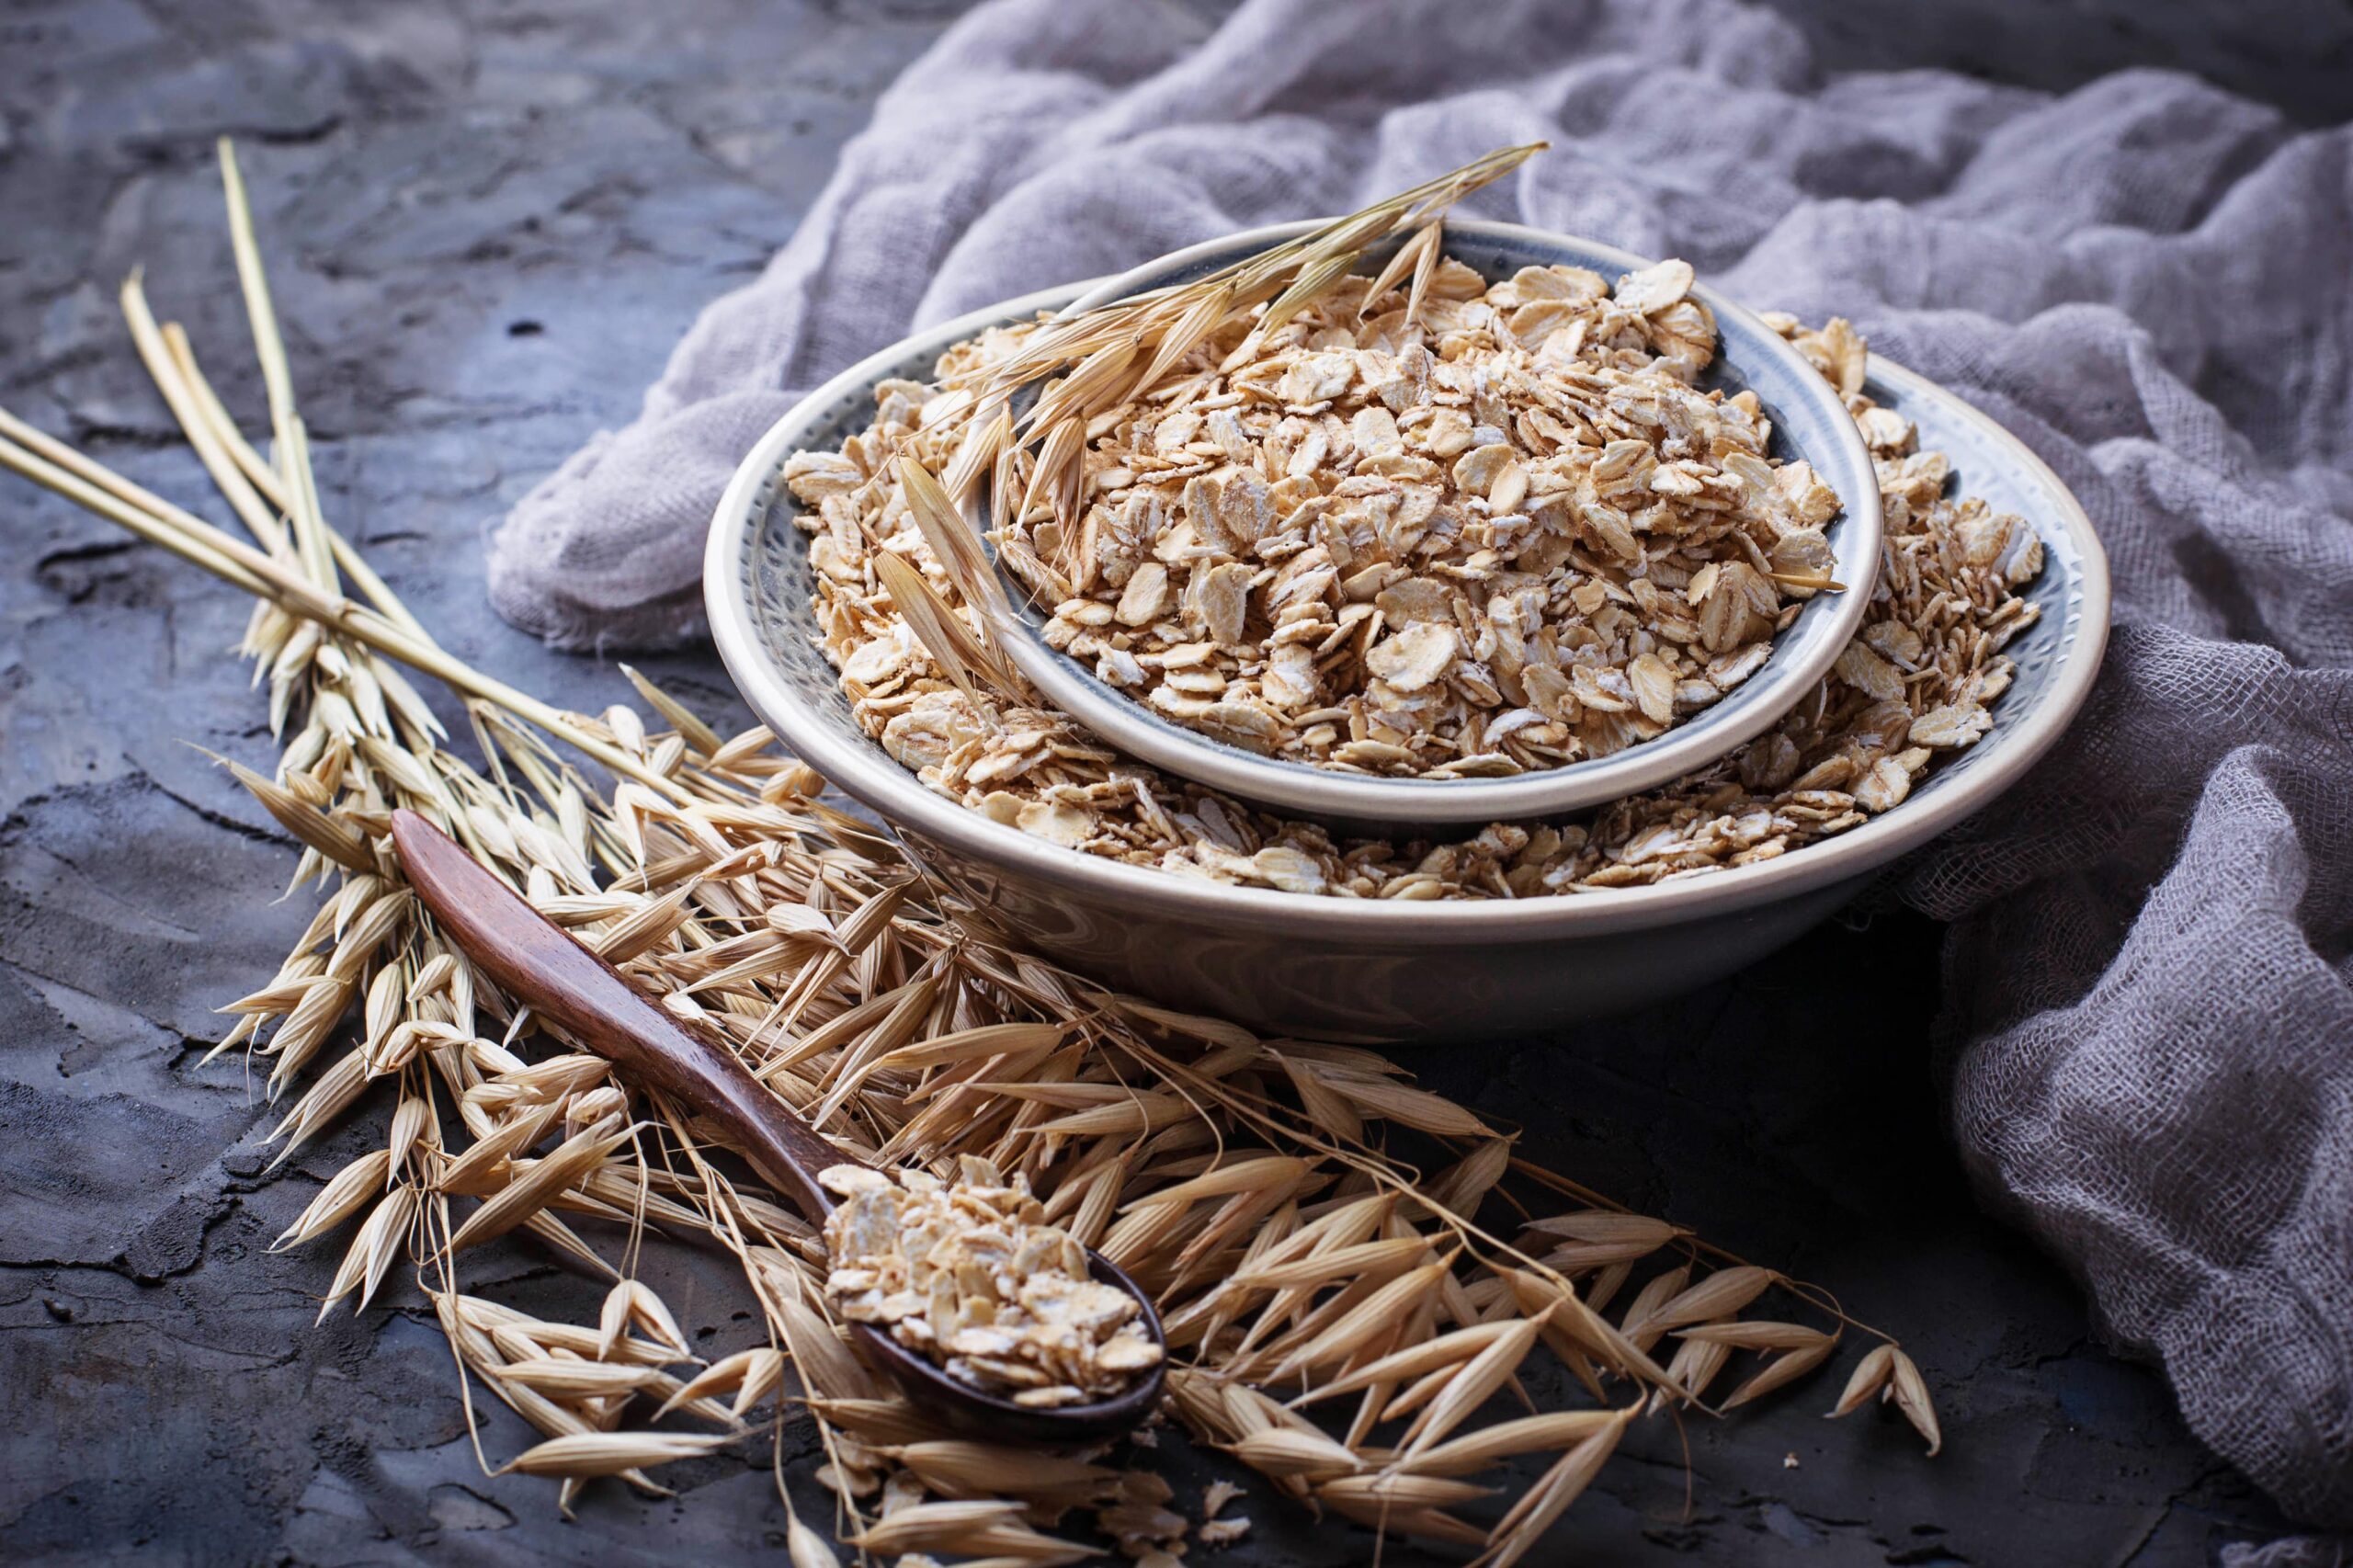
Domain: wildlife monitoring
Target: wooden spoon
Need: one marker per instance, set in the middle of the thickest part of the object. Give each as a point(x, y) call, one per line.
point(545, 969)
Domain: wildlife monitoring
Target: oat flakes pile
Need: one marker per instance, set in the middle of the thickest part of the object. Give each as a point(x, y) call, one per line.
point(1920, 679)
point(969, 1275)
point(1455, 530)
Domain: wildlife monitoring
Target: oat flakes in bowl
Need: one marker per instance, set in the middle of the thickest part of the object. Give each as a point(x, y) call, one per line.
point(1166, 890)
point(1537, 542)
point(1491, 542)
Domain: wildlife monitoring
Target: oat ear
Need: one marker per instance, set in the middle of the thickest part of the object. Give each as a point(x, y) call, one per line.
point(1273, 1194)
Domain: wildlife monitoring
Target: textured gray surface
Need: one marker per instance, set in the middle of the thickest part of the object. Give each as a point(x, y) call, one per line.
point(489, 223)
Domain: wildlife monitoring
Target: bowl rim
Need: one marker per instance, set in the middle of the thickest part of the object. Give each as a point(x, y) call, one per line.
point(1801, 656)
point(862, 770)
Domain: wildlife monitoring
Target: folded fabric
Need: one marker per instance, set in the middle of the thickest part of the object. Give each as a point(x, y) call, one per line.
point(2149, 1042)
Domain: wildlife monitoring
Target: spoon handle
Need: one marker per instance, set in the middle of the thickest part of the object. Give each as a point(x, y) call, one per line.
point(542, 966)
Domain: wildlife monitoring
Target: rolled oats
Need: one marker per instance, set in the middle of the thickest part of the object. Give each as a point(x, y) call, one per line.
point(1501, 534)
point(967, 1274)
point(1944, 604)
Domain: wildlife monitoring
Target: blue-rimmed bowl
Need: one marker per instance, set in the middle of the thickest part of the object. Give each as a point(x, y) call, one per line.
point(1363, 969)
point(1809, 422)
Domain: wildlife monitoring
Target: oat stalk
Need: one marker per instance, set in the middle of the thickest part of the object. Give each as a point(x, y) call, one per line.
point(1271, 1193)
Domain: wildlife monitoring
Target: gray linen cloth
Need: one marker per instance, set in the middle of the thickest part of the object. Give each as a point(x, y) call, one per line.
point(2150, 1036)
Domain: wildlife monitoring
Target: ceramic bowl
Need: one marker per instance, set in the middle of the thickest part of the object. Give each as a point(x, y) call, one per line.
point(1403, 972)
point(1808, 422)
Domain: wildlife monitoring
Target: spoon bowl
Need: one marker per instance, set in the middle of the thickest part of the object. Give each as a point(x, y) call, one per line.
point(547, 970)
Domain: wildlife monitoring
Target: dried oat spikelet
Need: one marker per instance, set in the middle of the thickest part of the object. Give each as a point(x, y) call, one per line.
point(1263, 1189)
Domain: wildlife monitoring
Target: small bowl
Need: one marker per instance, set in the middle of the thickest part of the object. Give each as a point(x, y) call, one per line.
point(1371, 970)
point(1808, 421)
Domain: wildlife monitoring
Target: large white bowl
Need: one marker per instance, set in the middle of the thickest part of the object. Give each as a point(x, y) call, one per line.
point(1366, 968)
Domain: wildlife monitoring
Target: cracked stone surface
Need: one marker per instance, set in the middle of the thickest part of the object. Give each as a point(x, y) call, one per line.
point(489, 223)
